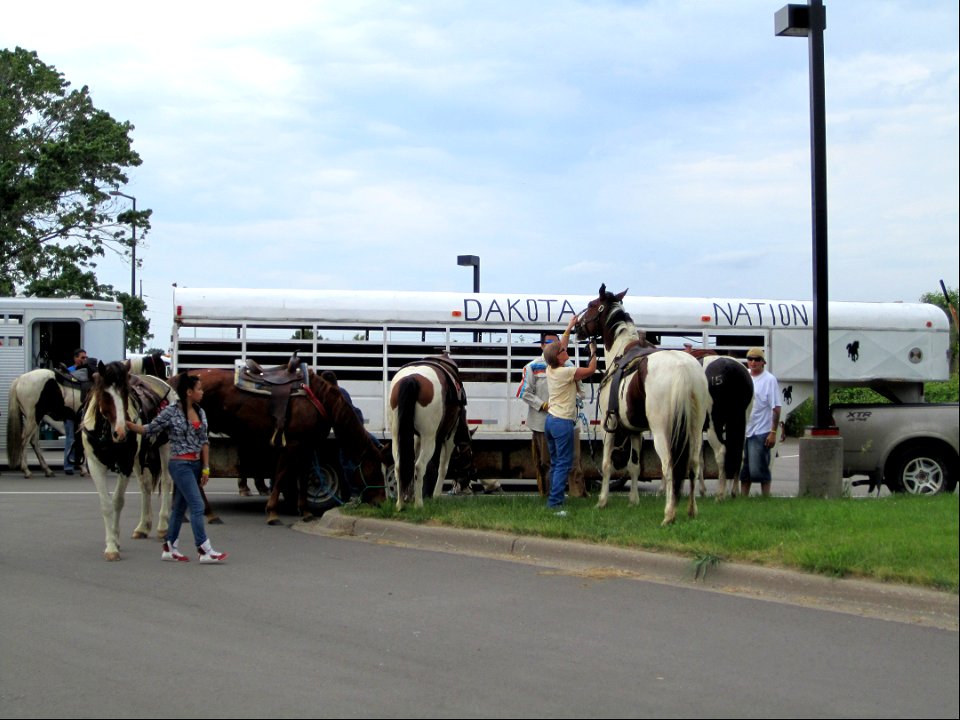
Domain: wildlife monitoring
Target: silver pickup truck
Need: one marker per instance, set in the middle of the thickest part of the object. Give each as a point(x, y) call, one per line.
point(910, 447)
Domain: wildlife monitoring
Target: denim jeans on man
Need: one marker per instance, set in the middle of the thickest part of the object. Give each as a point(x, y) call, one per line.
point(186, 495)
point(68, 438)
point(560, 435)
point(756, 460)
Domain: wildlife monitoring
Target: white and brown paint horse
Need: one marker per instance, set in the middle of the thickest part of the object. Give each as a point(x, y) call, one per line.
point(110, 448)
point(151, 364)
point(34, 396)
point(663, 391)
point(428, 420)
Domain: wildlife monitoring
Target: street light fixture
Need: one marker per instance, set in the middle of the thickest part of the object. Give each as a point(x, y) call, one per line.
point(474, 262)
point(810, 21)
point(133, 242)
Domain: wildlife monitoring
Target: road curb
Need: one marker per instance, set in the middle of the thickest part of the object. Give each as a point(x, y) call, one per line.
point(897, 603)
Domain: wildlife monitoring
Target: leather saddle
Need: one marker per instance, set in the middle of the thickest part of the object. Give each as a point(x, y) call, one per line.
point(280, 383)
point(82, 381)
point(634, 357)
point(448, 366)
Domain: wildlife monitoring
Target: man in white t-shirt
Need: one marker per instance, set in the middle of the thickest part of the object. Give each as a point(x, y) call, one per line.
point(764, 424)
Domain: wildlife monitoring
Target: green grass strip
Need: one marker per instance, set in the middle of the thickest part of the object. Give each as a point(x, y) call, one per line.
point(902, 539)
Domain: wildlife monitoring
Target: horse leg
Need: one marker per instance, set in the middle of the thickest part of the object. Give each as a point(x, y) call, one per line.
point(635, 467)
point(111, 551)
point(427, 450)
point(719, 454)
point(695, 470)
point(273, 518)
point(446, 452)
point(26, 440)
point(662, 445)
point(145, 477)
point(166, 493)
point(35, 444)
point(606, 468)
point(119, 499)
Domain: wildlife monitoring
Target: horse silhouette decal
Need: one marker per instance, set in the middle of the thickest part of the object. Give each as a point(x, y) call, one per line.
point(853, 350)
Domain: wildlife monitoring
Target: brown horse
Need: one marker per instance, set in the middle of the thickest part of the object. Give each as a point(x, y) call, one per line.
point(246, 418)
point(428, 420)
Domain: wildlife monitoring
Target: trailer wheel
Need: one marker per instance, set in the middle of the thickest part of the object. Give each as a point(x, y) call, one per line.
point(922, 469)
point(323, 487)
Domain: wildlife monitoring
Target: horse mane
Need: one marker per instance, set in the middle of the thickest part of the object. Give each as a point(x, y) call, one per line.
point(349, 430)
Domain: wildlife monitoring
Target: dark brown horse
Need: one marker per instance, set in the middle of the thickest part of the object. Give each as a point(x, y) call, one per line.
point(731, 391)
point(246, 418)
point(428, 420)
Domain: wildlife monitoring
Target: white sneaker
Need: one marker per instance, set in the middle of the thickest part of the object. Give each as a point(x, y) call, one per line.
point(172, 554)
point(208, 555)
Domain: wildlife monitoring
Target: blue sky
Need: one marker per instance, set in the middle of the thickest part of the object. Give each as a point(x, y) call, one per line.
point(660, 146)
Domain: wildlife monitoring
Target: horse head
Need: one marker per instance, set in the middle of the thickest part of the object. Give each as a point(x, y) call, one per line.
point(597, 320)
point(462, 463)
point(111, 397)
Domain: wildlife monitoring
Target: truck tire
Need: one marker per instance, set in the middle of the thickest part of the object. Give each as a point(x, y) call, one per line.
point(922, 469)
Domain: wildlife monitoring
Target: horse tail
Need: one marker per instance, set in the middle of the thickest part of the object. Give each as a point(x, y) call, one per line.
point(407, 396)
point(737, 422)
point(14, 428)
point(689, 401)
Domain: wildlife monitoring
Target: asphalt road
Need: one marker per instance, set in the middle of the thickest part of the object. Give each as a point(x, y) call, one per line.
point(304, 624)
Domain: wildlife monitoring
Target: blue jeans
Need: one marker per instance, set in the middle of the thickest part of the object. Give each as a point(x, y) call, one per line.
point(68, 436)
point(756, 460)
point(559, 434)
point(186, 494)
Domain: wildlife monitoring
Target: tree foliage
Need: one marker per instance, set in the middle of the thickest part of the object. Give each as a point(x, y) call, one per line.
point(59, 159)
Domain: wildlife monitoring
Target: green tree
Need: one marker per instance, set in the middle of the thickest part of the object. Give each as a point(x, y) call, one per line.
point(59, 158)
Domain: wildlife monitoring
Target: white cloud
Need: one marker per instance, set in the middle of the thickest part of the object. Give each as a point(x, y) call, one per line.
point(661, 146)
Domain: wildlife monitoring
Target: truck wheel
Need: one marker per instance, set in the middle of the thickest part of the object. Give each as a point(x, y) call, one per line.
point(920, 470)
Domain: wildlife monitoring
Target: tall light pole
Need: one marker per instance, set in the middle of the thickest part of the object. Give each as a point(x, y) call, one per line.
point(474, 262)
point(824, 475)
point(471, 261)
point(133, 242)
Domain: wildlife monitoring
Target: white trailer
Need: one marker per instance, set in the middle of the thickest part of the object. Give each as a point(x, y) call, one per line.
point(366, 336)
point(43, 332)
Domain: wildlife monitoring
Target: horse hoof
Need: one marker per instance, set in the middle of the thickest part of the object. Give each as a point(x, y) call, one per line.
point(140, 535)
point(244, 492)
point(111, 556)
point(214, 520)
point(308, 517)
